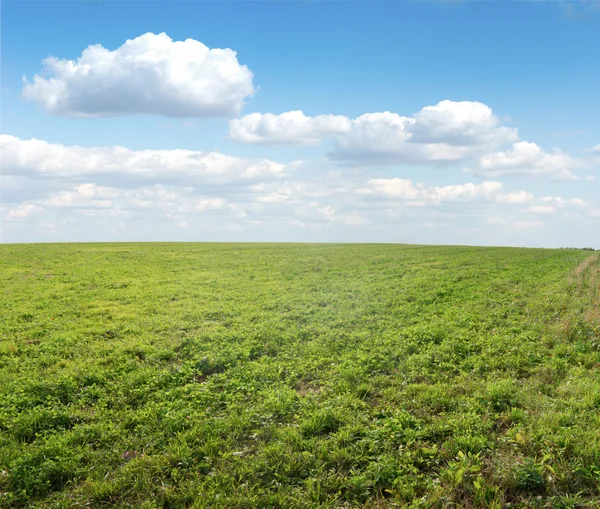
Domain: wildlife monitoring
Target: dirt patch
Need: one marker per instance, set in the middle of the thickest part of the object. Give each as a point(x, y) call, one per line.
point(586, 277)
point(583, 312)
point(586, 265)
point(305, 388)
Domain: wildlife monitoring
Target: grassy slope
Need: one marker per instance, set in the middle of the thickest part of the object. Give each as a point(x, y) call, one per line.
point(227, 375)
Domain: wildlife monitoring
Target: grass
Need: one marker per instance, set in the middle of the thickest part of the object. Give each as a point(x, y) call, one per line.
point(272, 375)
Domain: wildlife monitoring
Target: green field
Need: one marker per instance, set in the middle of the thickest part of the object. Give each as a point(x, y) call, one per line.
point(281, 375)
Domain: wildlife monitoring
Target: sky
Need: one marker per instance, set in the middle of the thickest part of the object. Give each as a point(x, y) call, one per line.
point(448, 122)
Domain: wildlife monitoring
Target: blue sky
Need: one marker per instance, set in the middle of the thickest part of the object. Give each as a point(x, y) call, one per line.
point(493, 119)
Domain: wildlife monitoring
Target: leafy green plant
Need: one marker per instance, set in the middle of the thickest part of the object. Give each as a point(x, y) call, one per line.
point(274, 375)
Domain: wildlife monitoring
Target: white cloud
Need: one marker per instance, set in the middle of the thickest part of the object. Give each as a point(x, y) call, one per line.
point(91, 193)
point(93, 196)
point(292, 128)
point(150, 74)
point(525, 158)
point(464, 123)
point(23, 210)
point(516, 198)
point(327, 206)
point(83, 195)
point(385, 138)
point(447, 132)
point(90, 199)
point(528, 224)
point(542, 209)
point(559, 202)
point(421, 194)
point(595, 149)
point(185, 167)
point(330, 214)
point(211, 204)
point(394, 188)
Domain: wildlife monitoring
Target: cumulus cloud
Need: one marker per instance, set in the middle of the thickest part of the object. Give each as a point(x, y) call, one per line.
point(595, 149)
point(91, 199)
point(419, 194)
point(462, 123)
point(331, 215)
point(542, 209)
point(23, 210)
point(525, 158)
point(446, 132)
point(559, 202)
point(385, 138)
point(83, 195)
point(516, 198)
point(89, 193)
point(321, 204)
point(150, 74)
point(186, 167)
point(291, 128)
